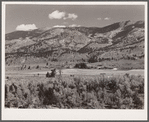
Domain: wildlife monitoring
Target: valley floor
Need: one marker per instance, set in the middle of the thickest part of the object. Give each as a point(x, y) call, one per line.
point(73, 71)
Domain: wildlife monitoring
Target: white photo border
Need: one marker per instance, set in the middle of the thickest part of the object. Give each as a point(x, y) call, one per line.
point(74, 114)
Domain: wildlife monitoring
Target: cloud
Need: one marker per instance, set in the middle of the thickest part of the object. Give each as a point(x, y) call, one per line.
point(26, 27)
point(62, 15)
point(99, 18)
point(57, 15)
point(74, 25)
point(107, 18)
point(60, 26)
point(72, 16)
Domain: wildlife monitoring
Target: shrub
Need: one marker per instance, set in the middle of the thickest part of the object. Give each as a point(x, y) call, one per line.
point(52, 74)
point(81, 66)
point(46, 94)
point(48, 74)
point(100, 92)
point(37, 67)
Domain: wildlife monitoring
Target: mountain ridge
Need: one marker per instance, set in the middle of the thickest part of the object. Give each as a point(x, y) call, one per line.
point(89, 44)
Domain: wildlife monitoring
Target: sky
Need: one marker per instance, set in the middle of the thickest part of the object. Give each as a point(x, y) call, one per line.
point(29, 17)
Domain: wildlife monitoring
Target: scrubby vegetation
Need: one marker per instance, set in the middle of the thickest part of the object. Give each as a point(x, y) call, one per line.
point(94, 92)
point(81, 66)
point(52, 74)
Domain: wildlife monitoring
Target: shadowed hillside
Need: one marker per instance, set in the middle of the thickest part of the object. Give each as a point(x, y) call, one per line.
point(116, 42)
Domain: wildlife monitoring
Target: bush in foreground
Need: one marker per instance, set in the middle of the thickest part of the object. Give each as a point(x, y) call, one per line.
point(100, 92)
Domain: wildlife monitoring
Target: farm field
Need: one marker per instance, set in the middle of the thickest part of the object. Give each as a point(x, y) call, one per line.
point(108, 72)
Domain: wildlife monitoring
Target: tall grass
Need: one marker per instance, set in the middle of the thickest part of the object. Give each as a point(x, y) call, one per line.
point(98, 92)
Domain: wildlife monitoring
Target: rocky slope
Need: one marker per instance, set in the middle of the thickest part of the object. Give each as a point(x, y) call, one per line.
point(119, 41)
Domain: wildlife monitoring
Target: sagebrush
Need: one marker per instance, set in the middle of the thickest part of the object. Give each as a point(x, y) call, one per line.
point(97, 92)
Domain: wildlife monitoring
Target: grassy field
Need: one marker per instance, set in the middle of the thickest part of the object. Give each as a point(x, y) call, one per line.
point(43, 71)
point(124, 91)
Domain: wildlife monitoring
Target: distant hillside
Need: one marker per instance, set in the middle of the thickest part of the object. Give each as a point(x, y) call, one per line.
point(119, 41)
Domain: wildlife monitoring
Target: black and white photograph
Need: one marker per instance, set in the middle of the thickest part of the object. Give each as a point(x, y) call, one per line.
point(74, 58)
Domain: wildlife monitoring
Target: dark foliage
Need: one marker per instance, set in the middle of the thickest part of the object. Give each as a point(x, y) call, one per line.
point(81, 66)
point(52, 74)
point(103, 93)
